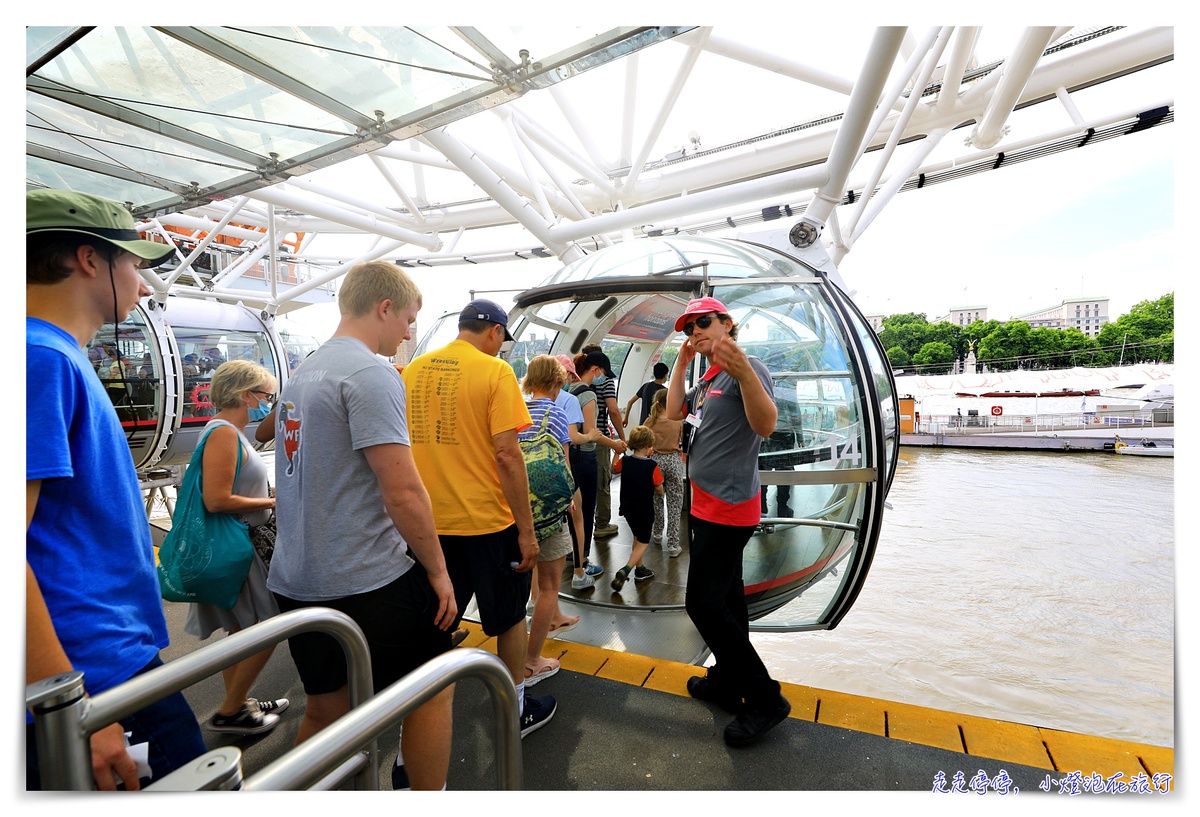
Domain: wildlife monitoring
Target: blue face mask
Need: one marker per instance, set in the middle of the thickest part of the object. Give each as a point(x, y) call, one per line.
point(599, 381)
point(260, 411)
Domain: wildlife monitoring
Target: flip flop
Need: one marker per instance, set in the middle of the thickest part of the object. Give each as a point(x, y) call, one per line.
point(555, 632)
point(544, 669)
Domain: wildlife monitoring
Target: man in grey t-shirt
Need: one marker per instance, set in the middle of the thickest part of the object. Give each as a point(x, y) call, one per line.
point(355, 524)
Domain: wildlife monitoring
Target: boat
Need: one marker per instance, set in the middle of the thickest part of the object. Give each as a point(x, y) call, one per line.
point(1146, 448)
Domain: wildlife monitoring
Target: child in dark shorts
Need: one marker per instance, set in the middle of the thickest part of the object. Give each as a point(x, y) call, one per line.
point(641, 486)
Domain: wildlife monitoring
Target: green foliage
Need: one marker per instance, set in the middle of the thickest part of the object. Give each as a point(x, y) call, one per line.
point(898, 357)
point(1147, 333)
point(935, 357)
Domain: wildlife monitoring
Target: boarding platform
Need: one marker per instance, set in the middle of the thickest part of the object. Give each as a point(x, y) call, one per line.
point(625, 723)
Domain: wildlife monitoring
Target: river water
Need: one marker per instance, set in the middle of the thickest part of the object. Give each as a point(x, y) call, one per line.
point(1037, 588)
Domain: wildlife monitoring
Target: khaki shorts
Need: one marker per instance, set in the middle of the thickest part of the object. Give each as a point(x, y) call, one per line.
point(555, 546)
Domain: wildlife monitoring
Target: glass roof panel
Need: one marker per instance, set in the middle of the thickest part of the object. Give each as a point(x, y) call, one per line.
point(162, 77)
point(96, 138)
point(65, 177)
point(204, 113)
point(393, 70)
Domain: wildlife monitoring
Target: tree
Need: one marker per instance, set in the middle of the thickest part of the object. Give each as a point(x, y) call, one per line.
point(1003, 348)
point(935, 357)
point(898, 357)
point(1147, 333)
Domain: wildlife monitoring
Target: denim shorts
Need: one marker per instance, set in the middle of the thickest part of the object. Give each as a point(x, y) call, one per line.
point(169, 727)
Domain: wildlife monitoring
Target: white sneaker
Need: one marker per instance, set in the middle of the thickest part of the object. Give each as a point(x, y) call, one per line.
point(675, 551)
point(582, 582)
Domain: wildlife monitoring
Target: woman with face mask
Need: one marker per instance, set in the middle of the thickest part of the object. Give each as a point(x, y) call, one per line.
point(242, 392)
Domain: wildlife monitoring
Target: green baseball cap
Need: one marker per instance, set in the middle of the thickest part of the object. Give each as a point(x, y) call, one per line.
point(63, 211)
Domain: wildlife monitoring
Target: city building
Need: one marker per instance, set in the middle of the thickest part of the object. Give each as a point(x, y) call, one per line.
point(964, 315)
point(1087, 315)
point(875, 322)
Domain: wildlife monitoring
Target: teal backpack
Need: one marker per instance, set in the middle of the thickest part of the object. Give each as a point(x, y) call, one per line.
point(551, 485)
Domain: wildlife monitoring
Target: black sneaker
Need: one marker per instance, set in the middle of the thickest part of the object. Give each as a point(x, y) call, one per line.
point(274, 707)
point(538, 712)
point(248, 721)
point(702, 688)
point(619, 580)
point(643, 573)
point(751, 725)
point(400, 778)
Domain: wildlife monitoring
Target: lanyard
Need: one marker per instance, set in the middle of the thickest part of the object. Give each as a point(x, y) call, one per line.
point(702, 394)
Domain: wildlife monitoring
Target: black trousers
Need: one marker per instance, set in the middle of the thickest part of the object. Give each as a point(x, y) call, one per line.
point(716, 604)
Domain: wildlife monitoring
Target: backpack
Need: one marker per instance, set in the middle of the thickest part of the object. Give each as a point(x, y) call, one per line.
point(551, 485)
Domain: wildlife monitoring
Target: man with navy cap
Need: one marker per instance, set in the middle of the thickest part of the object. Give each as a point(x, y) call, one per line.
point(728, 412)
point(92, 601)
point(465, 409)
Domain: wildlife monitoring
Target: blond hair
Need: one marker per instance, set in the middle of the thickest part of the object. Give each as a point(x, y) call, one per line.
point(640, 437)
point(659, 407)
point(371, 282)
point(236, 377)
point(544, 374)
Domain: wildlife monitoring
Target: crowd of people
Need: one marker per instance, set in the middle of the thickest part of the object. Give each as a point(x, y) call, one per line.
point(397, 500)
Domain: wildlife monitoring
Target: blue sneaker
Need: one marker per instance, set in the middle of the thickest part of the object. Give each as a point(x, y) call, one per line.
point(538, 712)
point(592, 569)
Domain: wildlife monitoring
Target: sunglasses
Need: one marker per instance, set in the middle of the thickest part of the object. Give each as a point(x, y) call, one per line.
point(703, 322)
point(270, 396)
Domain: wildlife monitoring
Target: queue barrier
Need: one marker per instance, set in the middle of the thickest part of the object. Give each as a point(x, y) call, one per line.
point(65, 717)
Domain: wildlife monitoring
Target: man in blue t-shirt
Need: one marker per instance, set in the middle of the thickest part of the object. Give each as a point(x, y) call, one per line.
point(92, 601)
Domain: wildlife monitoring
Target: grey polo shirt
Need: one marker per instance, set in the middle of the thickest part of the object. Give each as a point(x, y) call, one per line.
point(723, 453)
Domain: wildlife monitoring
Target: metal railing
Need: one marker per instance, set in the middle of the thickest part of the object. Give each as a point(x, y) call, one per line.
point(65, 717)
point(1009, 423)
point(314, 763)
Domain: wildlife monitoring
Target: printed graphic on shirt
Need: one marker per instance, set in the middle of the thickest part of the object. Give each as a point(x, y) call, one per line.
point(432, 396)
point(289, 418)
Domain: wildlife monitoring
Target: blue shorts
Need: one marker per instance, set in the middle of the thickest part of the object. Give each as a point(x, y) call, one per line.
point(481, 566)
point(398, 622)
point(169, 727)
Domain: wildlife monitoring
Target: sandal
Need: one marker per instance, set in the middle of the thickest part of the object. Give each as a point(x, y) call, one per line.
point(540, 671)
point(555, 632)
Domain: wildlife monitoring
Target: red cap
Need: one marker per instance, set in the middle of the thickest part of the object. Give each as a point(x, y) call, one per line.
point(700, 306)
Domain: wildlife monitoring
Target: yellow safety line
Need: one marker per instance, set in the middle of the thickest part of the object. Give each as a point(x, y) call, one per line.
point(1063, 753)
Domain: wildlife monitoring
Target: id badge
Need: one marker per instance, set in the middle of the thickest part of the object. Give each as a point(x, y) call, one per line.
point(693, 420)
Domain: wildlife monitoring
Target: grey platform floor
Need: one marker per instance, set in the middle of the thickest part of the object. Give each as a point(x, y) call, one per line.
point(610, 736)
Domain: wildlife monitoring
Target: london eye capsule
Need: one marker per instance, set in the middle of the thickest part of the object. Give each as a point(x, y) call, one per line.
point(826, 468)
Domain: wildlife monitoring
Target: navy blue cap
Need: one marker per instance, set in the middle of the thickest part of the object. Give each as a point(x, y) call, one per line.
point(481, 309)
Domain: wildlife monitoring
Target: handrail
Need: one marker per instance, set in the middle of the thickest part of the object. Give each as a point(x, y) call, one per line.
point(313, 760)
point(65, 717)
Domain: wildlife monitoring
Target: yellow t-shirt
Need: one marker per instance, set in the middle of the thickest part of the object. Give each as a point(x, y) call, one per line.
point(458, 398)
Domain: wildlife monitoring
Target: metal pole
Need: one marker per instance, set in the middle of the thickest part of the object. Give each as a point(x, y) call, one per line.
point(312, 760)
point(71, 725)
point(59, 705)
